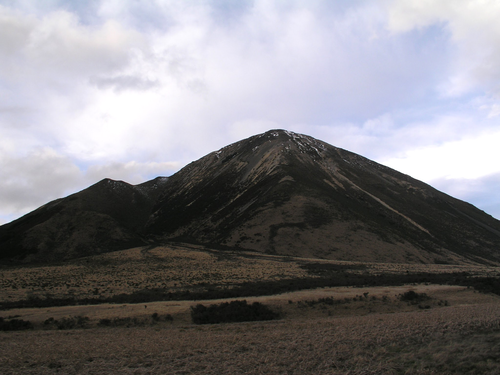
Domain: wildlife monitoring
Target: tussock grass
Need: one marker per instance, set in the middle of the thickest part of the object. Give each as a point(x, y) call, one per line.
point(460, 339)
point(173, 269)
point(368, 329)
point(179, 272)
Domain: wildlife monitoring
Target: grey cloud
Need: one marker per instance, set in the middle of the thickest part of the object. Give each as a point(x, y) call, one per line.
point(132, 172)
point(15, 30)
point(298, 66)
point(13, 110)
point(16, 117)
point(198, 75)
point(32, 180)
point(473, 29)
point(58, 48)
point(124, 82)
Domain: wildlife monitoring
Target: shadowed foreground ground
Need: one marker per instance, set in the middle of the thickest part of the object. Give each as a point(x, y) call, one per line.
point(455, 339)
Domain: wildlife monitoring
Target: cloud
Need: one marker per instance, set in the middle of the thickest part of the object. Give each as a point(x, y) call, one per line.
point(282, 64)
point(124, 89)
point(132, 172)
point(474, 190)
point(46, 63)
point(474, 29)
point(123, 82)
point(468, 158)
point(31, 180)
point(393, 136)
point(295, 66)
point(57, 45)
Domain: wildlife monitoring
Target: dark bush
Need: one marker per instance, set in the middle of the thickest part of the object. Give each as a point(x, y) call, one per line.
point(121, 322)
point(15, 325)
point(412, 296)
point(327, 301)
point(48, 321)
point(230, 312)
point(70, 323)
point(330, 276)
point(66, 323)
point(159, 318)
point(169, 318)
point(105, 322)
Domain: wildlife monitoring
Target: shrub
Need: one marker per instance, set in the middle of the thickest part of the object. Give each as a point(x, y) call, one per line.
point(48, 321)
point(229, 312)
point(105, 322)
point(122, 322)
point(330, 276)
point(159, 318)
point(15, 324)
point(67, 323)
point(70, 323)
point(413, 297)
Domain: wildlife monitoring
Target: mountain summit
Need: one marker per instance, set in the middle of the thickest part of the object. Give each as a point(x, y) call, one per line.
point(279, 193)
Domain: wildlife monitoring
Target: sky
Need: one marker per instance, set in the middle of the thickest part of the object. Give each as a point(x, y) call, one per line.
point(131, 90)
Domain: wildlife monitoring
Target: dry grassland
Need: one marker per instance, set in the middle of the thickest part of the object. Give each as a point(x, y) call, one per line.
point(174, 268)
point(461, 339)
point(367, 330)
point(293, 306)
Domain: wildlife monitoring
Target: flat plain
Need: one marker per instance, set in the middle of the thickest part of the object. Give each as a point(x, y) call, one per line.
point(328, 330)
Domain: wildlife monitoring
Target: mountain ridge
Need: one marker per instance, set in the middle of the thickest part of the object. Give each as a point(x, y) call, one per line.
point(277, 192)
point(103, 217)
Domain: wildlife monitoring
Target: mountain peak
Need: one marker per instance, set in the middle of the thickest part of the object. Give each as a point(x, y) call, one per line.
point(278, 192)
point(270, 148)
point(281, 135)
point(286, 193)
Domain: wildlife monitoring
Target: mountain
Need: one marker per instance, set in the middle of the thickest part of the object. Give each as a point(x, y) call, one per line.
point(279, 193)
point(107, 216)
point(290, 194)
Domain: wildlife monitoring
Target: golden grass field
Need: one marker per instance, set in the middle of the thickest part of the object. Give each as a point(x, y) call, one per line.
point(174, 268)
point(370, 331)
point(463, 337)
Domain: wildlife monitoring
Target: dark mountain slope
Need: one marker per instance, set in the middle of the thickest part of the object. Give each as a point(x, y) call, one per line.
point(107, 216)
point(278, 193)
point(286, 193)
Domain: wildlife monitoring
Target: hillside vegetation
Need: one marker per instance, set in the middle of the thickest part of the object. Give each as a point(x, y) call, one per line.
point(194, 272)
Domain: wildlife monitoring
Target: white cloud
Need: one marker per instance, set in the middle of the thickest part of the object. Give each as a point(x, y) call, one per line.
point(56, 46)
point(31, 180)
point(474, 29)
point(474, 190)
point(249, 127)
point(469, 158)
point(131, 172)
point(124, 89)
point(123, 82)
